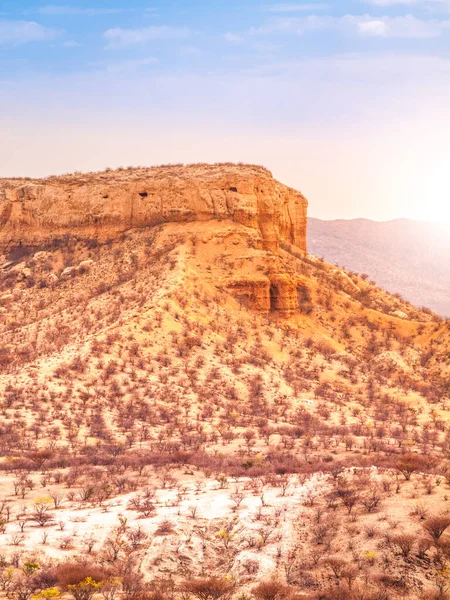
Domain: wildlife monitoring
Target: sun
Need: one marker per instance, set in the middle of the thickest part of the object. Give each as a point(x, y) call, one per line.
point(428, 196)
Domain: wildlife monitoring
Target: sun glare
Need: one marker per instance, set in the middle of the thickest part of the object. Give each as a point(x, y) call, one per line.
point(429, 196)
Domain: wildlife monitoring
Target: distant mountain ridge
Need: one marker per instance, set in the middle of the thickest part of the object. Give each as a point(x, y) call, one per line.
point(403, 256)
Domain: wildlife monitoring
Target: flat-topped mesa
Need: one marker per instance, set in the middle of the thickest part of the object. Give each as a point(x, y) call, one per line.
point(103, 205)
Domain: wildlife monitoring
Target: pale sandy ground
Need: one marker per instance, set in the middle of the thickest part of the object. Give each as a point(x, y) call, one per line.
point(214, 505)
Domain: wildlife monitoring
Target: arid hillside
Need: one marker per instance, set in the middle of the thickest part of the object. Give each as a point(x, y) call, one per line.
point(411, 258)
point(194, 407)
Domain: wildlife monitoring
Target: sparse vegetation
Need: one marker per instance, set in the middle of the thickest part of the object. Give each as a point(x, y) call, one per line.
point(161, 438)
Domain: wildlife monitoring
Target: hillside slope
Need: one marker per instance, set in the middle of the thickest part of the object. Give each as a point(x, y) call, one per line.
point(181, 401)
point(411, 258)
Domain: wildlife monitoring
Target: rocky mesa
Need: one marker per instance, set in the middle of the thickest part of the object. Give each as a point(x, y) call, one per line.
point(103, 205)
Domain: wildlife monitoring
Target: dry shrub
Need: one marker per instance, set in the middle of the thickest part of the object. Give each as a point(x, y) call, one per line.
point(271, 590)
point(165, 528)
point(210, 588)
point(436, 526)
point(73, 573)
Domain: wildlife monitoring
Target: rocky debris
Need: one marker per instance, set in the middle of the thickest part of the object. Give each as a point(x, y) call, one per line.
point(22, 271)
point(6, 265)
point(42, 257)
point(400, 314)
point(85, 266)
point(24, 274)
point(39, 212)
point(17, 268)
point(345, 282)
point(68, 273)
point(6, 299)
point(52, 279)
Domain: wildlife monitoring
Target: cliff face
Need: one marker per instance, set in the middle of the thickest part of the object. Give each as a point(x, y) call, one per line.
point(101, 206)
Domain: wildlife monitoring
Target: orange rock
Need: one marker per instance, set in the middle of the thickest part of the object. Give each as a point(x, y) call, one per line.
point(103, 205)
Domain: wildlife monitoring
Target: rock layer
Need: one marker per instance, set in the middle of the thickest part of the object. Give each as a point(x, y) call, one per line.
point(276, 293)
point(103, 205)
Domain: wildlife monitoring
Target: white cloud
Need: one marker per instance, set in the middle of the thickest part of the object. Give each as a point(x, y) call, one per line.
point(232, 38)
point(402, 27)
point(52, 9)
point(285, 8)
point(71, 44)
point(363, 25)
point(23, 32)
point(118, 37)
point(376, 28)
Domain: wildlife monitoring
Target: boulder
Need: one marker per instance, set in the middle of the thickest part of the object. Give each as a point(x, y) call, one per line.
point(400, 314)
point(42, 257)
point(345, 282)
point(23, 273)
point(68, 273)
point(85, 265)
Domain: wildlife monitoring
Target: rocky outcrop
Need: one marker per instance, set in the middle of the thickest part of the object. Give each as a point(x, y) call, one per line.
point(101, 206)
point(274, 293)
point(400, 314)
point(252, 292)
point(345, 282)
point(283, 294)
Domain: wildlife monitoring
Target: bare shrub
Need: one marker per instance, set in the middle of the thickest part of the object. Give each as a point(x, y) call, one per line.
point(436, 526)
point(271, 590)
point(210, 588)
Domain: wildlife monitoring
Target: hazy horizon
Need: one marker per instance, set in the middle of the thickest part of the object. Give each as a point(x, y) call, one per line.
point(395, 219)
point(346, 101)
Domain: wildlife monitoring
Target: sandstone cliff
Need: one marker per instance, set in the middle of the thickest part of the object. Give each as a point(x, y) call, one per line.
point(103, 205)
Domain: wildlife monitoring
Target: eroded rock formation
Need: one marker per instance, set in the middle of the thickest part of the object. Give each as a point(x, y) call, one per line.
point(103, 205)
point(237, 204)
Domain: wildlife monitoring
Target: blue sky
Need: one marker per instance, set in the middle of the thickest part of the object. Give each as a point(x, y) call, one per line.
point(178, 35)
point(347, 101)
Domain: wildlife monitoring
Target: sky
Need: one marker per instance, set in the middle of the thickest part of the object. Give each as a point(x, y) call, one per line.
point(347, 101)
